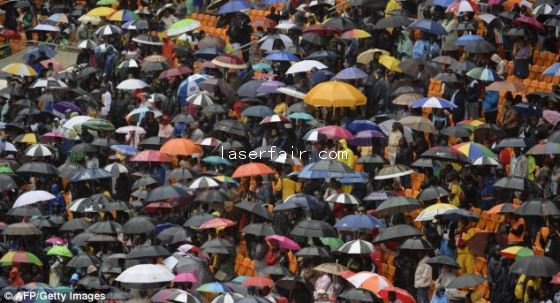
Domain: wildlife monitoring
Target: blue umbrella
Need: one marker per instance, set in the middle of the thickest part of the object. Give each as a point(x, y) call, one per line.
point(443, 3)
point(281, 56)
point(428, 26)
point(350, 73)
point(301, 116)
point(433, 102)
point(303, 200)
point(321, 76)
point(528, 109)
point(351, 178)
point(360, 125)
point(208, 53)
point(456, 214)
point(272, 2)
point(269, 87)
point(189, 86)
point(463, 40)
point(262, 66)
point(234, 6)
point(163, 226)
point(126, 150)
point(216, 160)
point(553, 70)
point(357, 222)
point(37, 50)
point(258, 111)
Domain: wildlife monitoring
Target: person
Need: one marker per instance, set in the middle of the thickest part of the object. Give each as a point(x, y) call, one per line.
point(421, 48)
point(490, 106)
point(273, 15)
point(472, 104)
point(519, 164)
point(521, 55)
point(14, 278)
point(395, 137)
point(165, 129)
point(510, 120)
point(463, 234)
point(56, 270)
point(501, 65)
point(423, 279)
point(106, 100)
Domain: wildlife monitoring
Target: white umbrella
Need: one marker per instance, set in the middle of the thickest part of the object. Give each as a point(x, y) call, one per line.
point(145, 275)
point(203, 182)
point(49, 83)
point(122, 169)
point(268, 41)
point(287, 25)
point(487, 18)
point(343, 199)
point(305, 66)
point(46, 28)
point(61, 18)
point(87, 44)
point(107, 30)
point(39, 150)
point(132, 84)
point(429, 213)
point(94, 20)
point(285, 158)
point(32, 197)
point(130, 128)
point(130, 63)
point(200, 99)
point(291, 92)
point(9, 147)
point(75, 121)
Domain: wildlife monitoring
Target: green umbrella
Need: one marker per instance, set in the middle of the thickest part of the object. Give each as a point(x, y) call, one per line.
point(182, 26)
point(217, 160)
point(60, 251)
point(333, 243)
point(5, 169)
point(107, 2)
point(99, 124)
point(301, 116)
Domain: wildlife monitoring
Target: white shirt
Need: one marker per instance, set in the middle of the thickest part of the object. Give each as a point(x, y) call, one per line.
point(106, 99)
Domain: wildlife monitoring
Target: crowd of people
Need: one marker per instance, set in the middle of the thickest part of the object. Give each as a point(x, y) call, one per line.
point(281, 151)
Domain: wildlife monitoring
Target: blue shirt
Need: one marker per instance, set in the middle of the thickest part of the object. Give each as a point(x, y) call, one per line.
point(420, 49)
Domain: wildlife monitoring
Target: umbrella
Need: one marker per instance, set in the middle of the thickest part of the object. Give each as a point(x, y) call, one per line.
point(486, 161)
point(401, 294)
point(456, 214)
point(418, 123)
point(331, 268)
point(139, 225)
point(145, 276)
point(88, 174)
point(474, 150)
point(548, 148)
point(456, 131)
point(313, 251)
point(512, 142)
point(203, 182)
point(445, 153)
point(429, 213)
point(271, 42)
point(343, 199)
point(393, 21)
point(433, 102)
point(356, 247)
point(258, 229)
point(32, 197)
point(252, 169)
point(416, 244)
point(466, 281)
point(60, 251)
point(360, 295)
point(37, 168)
point(180, 147)
point(397, 205)
point(313, 228)
point(535, 266)
point(21, 229)
point(529, 21)
point(503, 208)
point(484, 74)
point(537, 208)
point(19, 69)
point(396, 232)
point(516, 183)
point(132, 84)
point(414, 67)
point(433, 193)
point(334, 132)
point(217, 223)
point(443, 260)
point(305, 66)
point(281, 56)
point(370, 281)
point(283, 242)
point(182, 26)
point(391, 63)
point(428, 26)
point(166, 192)
point(393, 171)
point(20, 257)
point(147, 251)
point(234, 6)
point(350, 73)
point(254, 208)
point(75, 225)
point(232, 127)
point(516, 252)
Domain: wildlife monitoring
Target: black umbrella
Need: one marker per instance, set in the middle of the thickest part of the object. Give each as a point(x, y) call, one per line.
point(81, 238)
point(293, 282)
point(314, 39)
point(197, 220)
point(254, 208)
point(83, 260)
point(443, 260)
point(214, 109)
point(396, 232)
point(412, 67)
point(37, 168)
point(361, 295)
point(487, 129)
point(212, 196)
point(21, 229)
point(322, 55)
point(516, 183)
point(152, 142)
point(105, 228)
point(182, 118)
point(512, 142)
point(148, 251)
point(535, 266)
point(139, 225)
point(466, 281)
point(371, 159)
point(416, 244)
point(104, 142)
point(249, 89)
point(277, 270)
point(397, 205)
point(423, 163)
point(229, 126)
point(456, 131)
point(144, 182)
point(180, 174)
point(479, 47)
point(537, 208)
point(392, 21)
point(92, 282)
point(332, 166)
point(462, 67)
point(101, 239)
point(259, 229)
point(84, 148)
point(88, 174)
point(313, 251)
point(313, 228)
point(369, 3)
point(43, 222)
point(117, 205)
point(166, 192)
point(447, 77)
point(258, 111)
point(26, 211)
point(218, 246)
point(75, 224)
point(433, 193)
point(445, 153)
point(174, 235)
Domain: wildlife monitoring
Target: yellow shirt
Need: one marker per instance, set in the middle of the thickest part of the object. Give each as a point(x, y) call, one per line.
point(455, 190)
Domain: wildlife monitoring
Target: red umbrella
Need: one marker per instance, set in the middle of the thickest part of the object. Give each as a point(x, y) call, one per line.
point(159, 205)
point(321, 29)
point(174, 72)
point(283, 242)
point(251, 170)
point(530, 21)
point(57, 67)
point(151, 156)
point(258, 282)
point(10, 34)
point(52, 135)
point(217, 223)
point(402, 294)
point(229, 61)
point(264, 23)
point(334, 132)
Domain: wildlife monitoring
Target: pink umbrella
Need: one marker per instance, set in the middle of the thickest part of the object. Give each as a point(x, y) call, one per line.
point(530, 21)
point(187, 248)
point(55, 241)
point(151, 156)
point(551, 116)
point(284, 242)
point(185, 277)
point(334, 132)
point(53, 135)
point(57, 67)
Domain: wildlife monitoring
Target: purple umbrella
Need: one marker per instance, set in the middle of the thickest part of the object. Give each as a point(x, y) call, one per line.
point(269, 87)
point(350, 73)
point(366, 137)
point(63, 106)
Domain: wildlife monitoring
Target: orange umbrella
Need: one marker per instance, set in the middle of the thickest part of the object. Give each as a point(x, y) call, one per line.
point(258, 282)
point(217, 223)
point(252, 169)
point(180, 147)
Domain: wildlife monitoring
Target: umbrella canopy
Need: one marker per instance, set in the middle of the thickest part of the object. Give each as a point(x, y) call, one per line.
point(32, 197)
point(334, 94)
point(537, 208)
point(396, 232)
point(466, 280)
point(370, 281)
point(535, 266)
point(429, 213)
point(397, 205)
point(145, 276)
point(313, 228)
point(356, 247)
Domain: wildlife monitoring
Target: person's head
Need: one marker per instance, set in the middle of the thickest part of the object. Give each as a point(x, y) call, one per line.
point(390, 75)
point(273, 10)
point(533, 120)
point(396, 126)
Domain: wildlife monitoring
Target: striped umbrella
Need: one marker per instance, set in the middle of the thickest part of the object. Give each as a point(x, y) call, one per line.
point(274, 119)
point(61, 18)
point(203, 182)
point(108, 30)
point(516, 252)
point(200, 99)
point(548, 148)
point(123, 15)
point(20, 257)
point(343, 199)
point(433, 102)
point(19, 69)
point(474, 150)
point(370, 281)
point(356, 247)
point(130, 63)
point(39, 150)
point(484, 74)
point(49, 83)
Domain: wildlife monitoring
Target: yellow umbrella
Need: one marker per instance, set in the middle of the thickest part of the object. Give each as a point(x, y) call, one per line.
point(430, 212)
point(334, 94)
point(391, 6)
point(29, 138)
point(367, 56)
point(19, 69)
point(102, 11)
point(391, 63)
